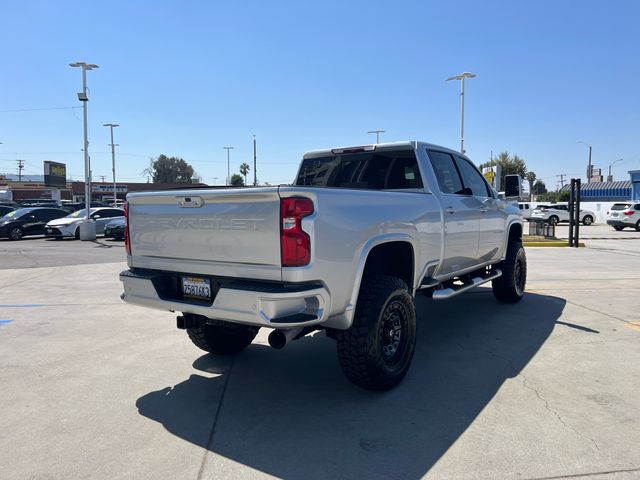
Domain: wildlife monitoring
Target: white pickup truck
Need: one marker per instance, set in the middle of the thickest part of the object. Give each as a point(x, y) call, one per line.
point(344, 249)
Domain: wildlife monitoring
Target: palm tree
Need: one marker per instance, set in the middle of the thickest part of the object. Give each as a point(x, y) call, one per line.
point(531, 178)
point(244, 169)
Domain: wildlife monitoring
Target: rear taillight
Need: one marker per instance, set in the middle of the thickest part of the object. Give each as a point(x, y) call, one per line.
point(630, 212)
point(295, 244)
point(127, 240)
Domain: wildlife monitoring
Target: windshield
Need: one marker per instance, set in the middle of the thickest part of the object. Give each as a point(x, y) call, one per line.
point(15, 214)
point(81, 213)
point(621, 206)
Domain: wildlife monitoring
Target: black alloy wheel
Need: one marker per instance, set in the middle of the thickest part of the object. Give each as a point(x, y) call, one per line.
point(16, 233)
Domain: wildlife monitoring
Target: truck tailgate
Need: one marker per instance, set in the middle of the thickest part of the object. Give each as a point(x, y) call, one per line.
point(225, 232)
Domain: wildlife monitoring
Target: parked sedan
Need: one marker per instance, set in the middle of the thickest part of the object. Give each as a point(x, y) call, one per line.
point(115, 229)
point(4, 209)
point(27, 221)
point(69, 226)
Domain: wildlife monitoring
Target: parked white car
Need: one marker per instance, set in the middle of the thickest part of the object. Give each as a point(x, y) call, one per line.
point(624, 215)
point(69, 226)
point(560, 213)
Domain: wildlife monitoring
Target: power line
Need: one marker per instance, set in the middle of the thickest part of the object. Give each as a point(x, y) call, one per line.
point(37, 109)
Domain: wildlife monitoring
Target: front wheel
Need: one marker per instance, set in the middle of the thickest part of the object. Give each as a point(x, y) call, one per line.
point(222, 338)
point(509, 287)
point(16, 233)
point(553, 220)
point(376, 352)
point(587, 220)
point(618, 227)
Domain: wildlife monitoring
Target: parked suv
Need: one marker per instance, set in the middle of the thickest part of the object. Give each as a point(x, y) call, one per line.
point(624, 215)
point(560, 213)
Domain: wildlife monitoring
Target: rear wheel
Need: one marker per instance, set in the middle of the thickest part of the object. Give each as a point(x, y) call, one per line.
point(620, 227)
point(587, 220)
point(222, 338)
point(638, 226)
point(376, 352)
point(509, 287)
point(16, 233)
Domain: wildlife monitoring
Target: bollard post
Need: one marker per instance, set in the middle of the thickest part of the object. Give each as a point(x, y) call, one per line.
point(577, 209)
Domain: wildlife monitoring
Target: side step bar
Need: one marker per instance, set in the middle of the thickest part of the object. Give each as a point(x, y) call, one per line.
point(445, 293)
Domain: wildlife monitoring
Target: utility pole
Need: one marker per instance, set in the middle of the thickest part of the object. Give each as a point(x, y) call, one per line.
point(102, 177)
point(20, 168)
point(461, 77)
point(113, 160)
point(228, 149)
point(86, 233)
point(255, 178)
point(377, 132)
point(561, 177)
point(589, 167)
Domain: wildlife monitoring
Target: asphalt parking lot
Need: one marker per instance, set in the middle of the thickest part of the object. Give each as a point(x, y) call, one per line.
point(547, 388)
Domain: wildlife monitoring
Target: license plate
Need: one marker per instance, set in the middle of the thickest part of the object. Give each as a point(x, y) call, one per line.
point(196, 287)
point(614, 214)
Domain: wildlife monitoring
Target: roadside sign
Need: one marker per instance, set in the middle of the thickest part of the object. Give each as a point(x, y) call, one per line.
point(492, 174)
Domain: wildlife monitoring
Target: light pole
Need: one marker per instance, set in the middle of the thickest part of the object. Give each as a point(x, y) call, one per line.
point(228, 149)
point(86, 233)
point(461, 77)
point(589, 172)
point(113, 159)
point(610, 177)
point(377, 132)
point(255, 177)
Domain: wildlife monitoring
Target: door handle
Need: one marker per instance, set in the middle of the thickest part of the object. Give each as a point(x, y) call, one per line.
point(451, 210)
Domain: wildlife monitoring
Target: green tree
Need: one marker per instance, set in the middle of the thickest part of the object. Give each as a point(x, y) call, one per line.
point(508, 165)
point(244, 169)
point(530, 177)
point(169, 170)
point(539, 187)
point(236, 180)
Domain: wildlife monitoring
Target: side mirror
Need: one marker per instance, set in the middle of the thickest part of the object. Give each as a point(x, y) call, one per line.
point(95, 217)
point(512, 186)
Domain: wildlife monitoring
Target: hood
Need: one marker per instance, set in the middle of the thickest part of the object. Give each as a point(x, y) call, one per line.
point(65, 221)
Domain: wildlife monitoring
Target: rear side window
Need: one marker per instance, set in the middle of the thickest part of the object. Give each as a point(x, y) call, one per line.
point(636, 206)
point(622, 206)
point(384, 170)
point(446, 172)
point(472, 179)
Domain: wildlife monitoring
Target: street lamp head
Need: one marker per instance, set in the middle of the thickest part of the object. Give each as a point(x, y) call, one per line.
point(86, 66)
point(110, 125)
point(461, 76)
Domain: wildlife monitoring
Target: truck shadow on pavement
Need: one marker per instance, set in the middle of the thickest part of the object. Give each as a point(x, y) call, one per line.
point(292, 414)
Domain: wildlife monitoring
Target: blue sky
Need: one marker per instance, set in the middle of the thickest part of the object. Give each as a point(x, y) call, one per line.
point(187, 78)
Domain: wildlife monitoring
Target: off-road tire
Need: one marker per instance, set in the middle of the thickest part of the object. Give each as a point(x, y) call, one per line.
point(16, 233)
point(509, 287)
point(366, 350)
point(222, 338)
point(587, 220)
point(619, 227)
point(554, 220)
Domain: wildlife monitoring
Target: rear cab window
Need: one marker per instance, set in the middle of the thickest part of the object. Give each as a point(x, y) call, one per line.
point(368, 170)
